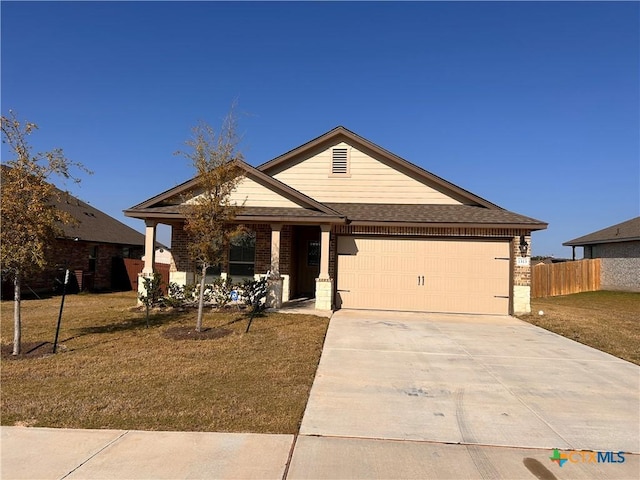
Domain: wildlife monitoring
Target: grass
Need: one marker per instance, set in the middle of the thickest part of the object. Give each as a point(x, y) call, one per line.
point(112, 372)
point(608, 321)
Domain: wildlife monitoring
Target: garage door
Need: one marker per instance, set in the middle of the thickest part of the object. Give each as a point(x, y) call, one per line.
point(456, 276)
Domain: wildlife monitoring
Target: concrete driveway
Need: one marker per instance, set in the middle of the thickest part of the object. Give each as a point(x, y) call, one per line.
point(450, 396)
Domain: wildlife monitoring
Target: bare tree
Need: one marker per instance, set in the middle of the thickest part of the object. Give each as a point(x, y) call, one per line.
point(210, 214)
point(30, 220)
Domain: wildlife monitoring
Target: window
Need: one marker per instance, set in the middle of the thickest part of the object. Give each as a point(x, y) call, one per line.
point(93, 258)
point(313, 253)
point(340, 161)
point(242, 255)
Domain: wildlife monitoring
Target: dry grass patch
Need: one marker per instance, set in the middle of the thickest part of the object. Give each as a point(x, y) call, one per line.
point(112, 372)
point(608, 321)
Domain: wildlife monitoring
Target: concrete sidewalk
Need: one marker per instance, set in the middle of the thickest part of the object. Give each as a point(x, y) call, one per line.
point(49, 453)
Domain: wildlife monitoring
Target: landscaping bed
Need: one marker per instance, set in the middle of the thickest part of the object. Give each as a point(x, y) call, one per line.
point(113, 372)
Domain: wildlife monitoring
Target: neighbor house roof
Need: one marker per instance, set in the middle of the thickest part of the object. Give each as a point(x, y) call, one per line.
point(622, 232)
point(94, 225)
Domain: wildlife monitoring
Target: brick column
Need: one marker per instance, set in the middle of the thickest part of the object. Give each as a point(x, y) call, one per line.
point(521, 274)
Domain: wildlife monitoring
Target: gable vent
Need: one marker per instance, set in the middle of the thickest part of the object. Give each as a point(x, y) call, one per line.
point(339, 161)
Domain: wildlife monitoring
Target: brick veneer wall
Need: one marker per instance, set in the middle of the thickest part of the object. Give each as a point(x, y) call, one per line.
point(179, 243)
point(286, 246)
point(182, 263)
point(74, 255)
point(620, 264)
point(521, 274)
point(263, 248)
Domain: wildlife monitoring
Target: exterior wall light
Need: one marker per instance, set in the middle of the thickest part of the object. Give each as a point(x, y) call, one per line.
point(523, 246)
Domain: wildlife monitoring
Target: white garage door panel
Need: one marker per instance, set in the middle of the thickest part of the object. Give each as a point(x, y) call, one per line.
point(460, 276)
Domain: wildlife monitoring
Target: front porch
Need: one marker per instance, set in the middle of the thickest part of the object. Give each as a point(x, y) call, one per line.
point(302, 306)
point(297, 257)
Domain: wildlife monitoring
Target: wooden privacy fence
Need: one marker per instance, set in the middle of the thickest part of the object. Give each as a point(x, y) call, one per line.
point(550, 280)
point(134, 267)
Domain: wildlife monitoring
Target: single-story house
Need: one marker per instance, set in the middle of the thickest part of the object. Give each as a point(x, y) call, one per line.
point(343, 220)
point(93, 250)
point(618, 247)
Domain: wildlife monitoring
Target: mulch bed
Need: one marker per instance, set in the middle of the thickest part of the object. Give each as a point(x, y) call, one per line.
point(189, 333)
point(29, 350)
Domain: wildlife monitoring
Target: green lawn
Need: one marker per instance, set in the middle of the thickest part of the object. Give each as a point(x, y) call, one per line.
point(608, 321)
point(113, 372)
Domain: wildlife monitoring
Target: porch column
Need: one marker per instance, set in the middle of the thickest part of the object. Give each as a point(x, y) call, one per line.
point(324, 284)
point(274, 295)
point(275, 249)
point(324, 251)
point(149, 246)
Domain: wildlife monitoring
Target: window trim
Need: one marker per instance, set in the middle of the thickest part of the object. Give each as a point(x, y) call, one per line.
point(243, 262)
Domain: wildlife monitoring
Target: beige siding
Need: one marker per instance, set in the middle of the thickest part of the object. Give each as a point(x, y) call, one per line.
point(251, 194)
point(454, 276)
point(256, 195)
point(369, 181)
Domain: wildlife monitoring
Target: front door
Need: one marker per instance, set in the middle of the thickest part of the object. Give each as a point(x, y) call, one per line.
point(307, 244)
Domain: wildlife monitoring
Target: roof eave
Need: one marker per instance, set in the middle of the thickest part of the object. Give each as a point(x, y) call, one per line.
point(580, 243)
point(172, 217)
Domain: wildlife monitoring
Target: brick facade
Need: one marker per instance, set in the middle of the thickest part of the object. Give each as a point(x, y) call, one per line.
point(93, 266)
point(182, 262)
point(620, 264)
point(521, 274)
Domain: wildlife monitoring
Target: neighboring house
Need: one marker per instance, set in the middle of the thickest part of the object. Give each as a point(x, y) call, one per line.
point(355, 226)
point(618, 247)
point(93, 251)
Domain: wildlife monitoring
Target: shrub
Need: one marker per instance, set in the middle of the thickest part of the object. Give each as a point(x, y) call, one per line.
point(152, 294)
point(222, 288)
point(218, 293)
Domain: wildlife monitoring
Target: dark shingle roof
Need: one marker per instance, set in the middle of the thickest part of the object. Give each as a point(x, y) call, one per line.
point(621, 232)
point(246, 211)
point(94, 225)
point(440, 214)
point(251, 213)
point(91, 224)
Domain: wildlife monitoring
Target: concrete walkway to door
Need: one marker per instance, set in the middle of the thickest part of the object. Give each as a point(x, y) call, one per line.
point(406, 395)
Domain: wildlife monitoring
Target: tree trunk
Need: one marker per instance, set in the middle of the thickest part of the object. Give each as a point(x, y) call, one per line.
point(201, 299)
point(17, 323)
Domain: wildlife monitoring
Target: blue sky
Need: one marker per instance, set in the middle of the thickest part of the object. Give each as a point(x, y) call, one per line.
point(531, 105)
